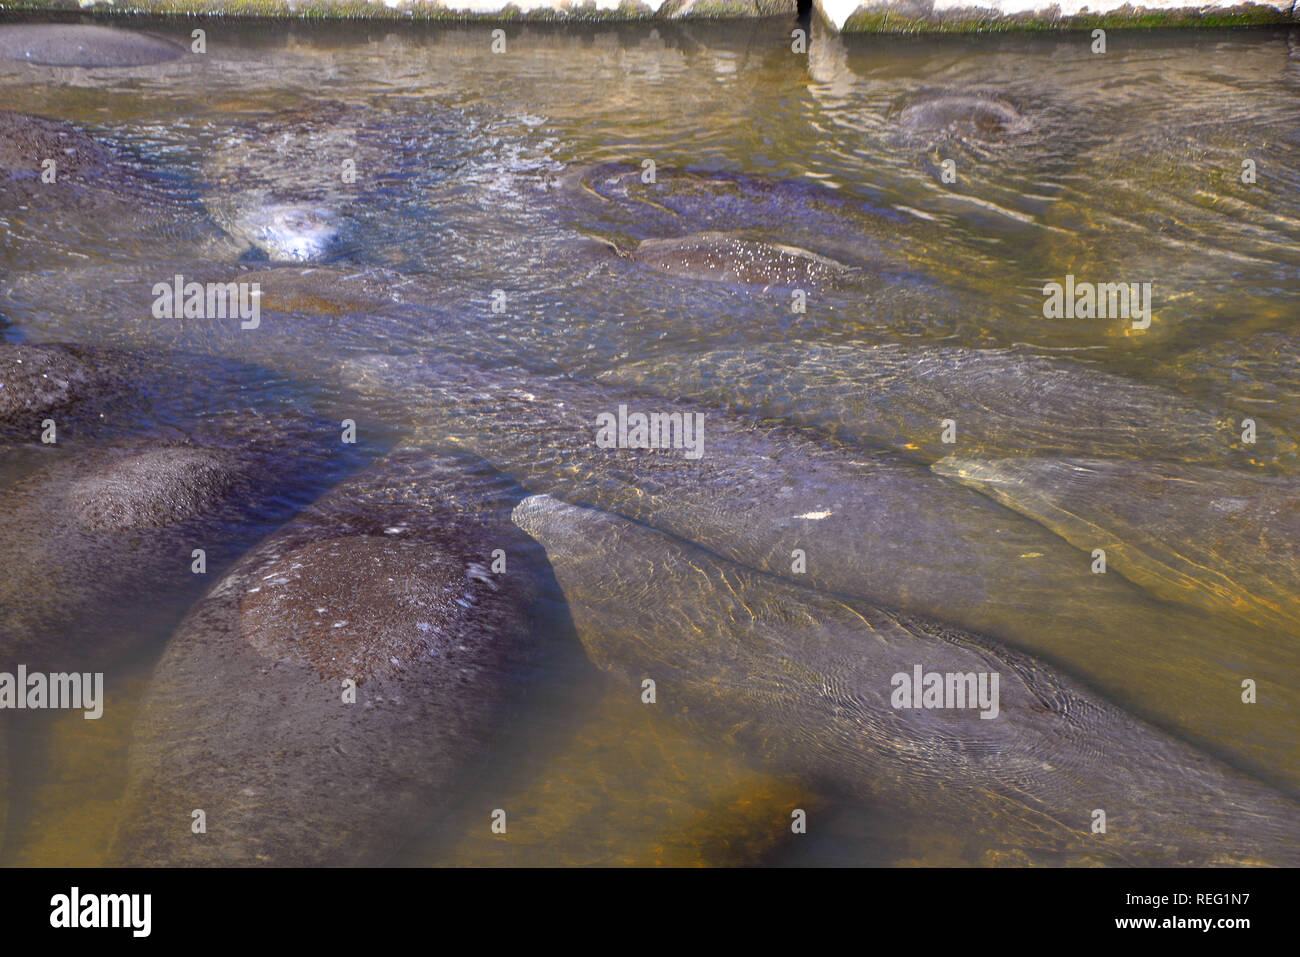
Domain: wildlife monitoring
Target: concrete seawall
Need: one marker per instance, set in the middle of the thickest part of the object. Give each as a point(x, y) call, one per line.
point(849, 16)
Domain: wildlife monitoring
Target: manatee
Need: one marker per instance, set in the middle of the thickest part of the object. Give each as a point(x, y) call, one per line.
point(99, 542)
point(83, 45)
point(101, 198)
point(716, 199)
point(1259, 374)
point(386, 582)
point(304, 311)
point(1221, 540)
point(688, 200)
point(85, 173)
point(90, 393)
point(97, 394)
point(1174, 191)
point(92, 529)
point(870, 524)
point(153, 488)
point(719, 257)
point(974, 116)
point(327, 291)
point(1002, 401)
point(136, 481)
point(806, 680)
point(39, 379)
point(325, 309)
point(279, 184)
point(1167, 205)
point(869, 231)
point(30, 140)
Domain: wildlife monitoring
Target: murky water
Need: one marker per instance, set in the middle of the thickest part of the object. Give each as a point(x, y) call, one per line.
point(499, 221)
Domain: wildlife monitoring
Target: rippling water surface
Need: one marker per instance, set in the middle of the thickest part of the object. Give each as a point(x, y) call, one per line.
point(1130, 170)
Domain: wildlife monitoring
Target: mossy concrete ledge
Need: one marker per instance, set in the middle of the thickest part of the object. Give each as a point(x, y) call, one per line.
point(979, 16)
point(850, 16)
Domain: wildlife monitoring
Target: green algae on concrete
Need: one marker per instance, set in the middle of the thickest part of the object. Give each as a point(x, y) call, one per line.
point(877, 18)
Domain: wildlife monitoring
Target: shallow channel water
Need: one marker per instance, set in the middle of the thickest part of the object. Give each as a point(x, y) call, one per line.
point(500, 222)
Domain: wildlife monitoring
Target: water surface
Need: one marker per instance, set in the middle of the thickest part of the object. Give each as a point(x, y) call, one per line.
point(1131, 172)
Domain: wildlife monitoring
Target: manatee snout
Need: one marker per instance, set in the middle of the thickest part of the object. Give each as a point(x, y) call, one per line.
point(295, 232)
point(541, 515)
point(981, 117)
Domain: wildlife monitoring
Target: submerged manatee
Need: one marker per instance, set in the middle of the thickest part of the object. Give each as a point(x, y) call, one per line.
point(1172, 195)
point(151, 488)
point(385, 582)
point(977, 117)
point(92, 530)
point(719, 257)
point(304, 311)
point(1166, 204)
point(871, 525)
point(1260, 374)
point(804, 680)
point(324, 291)
point(280, 185)
point(137, 480)
point(29, 141)
point(36, 380)
point(1002, 401)
point(63, 190)
point(83, 45)
point(686, 200)
point(54, 164)
point(908, 249)
point(1222, 540)
point(713, 199)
